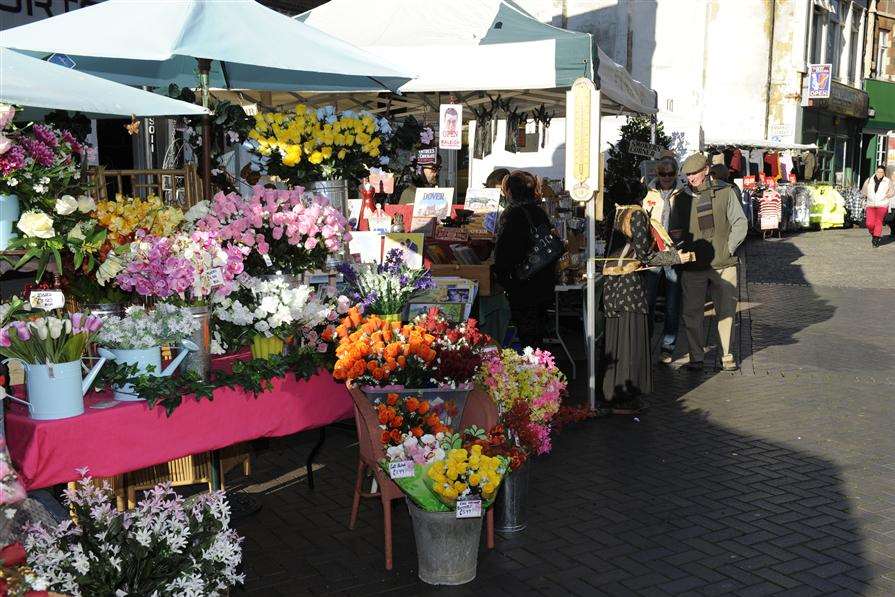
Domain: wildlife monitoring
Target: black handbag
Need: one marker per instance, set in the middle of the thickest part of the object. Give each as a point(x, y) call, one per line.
point(546, 250)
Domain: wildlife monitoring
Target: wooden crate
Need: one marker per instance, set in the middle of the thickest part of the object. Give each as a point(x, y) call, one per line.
point(479, 273)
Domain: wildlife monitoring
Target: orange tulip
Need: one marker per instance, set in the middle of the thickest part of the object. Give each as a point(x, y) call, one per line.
point(411, 403)
point(391, 399)
point(417, 432)
point(423, 407)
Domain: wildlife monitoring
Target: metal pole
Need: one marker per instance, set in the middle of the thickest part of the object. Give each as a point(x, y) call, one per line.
point(204, 69)
point(591, 217)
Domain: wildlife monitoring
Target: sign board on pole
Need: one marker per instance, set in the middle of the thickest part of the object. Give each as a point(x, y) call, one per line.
point(450, 126)
point(820, 80)
point(645, 149)
point(582, 140)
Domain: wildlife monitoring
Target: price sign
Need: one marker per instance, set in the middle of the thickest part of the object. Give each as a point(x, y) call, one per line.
point(216, 276)
point(267, 260)
point(469, 508)
point(748, 182)
point(47, 299)
point(400, 469)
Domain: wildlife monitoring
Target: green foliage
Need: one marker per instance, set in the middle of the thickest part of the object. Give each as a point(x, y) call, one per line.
point(623, 168)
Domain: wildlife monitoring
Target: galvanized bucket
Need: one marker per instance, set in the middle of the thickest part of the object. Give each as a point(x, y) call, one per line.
point(447, 547)
point(511, 505)
point(200, 360)
point(334, 190)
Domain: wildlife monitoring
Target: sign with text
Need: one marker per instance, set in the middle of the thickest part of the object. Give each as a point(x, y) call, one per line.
point(450, 126)
point(427, 156)
point(46, 299)
point(645, 149)
point(469, 508)
point(401, 469)
point(820, 80)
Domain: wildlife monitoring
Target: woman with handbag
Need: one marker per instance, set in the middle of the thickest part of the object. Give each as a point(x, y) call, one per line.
point(525, 257)
point(631, 250)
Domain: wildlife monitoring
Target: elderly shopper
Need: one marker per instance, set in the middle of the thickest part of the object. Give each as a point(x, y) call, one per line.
point(716, 228)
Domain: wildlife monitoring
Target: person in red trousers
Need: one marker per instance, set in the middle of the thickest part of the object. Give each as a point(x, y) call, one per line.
point(876, 190)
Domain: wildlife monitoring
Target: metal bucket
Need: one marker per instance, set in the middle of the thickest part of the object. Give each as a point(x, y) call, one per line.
point(200, 360)
point(447, 547)
point(334, 190)
point(9, 215)
point(511, 505)
point(54, 391)
point(105, 309)
point(143, 358)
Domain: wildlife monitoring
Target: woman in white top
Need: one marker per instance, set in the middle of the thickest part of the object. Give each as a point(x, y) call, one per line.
point(876, 190)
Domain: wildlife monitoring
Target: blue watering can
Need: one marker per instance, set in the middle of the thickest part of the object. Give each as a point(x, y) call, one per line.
point(56, 390)
point(144, 358)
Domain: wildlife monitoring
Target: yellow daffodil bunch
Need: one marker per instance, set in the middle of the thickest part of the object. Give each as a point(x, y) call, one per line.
point(299, 145)
point(125, 215)
point(466, 472)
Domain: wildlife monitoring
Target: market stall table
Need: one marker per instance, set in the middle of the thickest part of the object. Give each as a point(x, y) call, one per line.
point(131, 436)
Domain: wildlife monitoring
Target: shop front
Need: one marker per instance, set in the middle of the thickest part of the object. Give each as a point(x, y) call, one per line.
point(879, 131)
point(835, 125)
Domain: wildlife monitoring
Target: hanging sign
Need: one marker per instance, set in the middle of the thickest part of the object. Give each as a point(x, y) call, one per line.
point(582, 140)
point(450, 127)
point(427, 156)
point(645, 149)
point(46, 299)
point(820, 80)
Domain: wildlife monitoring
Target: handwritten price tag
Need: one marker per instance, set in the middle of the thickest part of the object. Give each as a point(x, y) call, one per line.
point(216, 276)
point(47, 299)
point(401, 469)
point(469, 508)
point(267, 260)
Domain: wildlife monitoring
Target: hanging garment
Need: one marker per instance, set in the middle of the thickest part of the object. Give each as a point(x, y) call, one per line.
point(772, 165)
point(801, 206)
point(827, 207)
point(769, 209)
point(810, 162)
point(736, 163)
point(786, 164)
point(717, 158)
point(482, 144)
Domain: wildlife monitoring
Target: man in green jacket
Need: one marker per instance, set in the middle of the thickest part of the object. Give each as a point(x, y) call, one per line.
point(717, 227)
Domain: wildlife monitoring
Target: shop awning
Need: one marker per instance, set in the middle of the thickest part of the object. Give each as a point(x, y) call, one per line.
point(882, 102)
point(468, 46)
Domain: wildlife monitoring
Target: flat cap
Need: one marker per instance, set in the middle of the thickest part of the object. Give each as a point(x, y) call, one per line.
point(694, 163)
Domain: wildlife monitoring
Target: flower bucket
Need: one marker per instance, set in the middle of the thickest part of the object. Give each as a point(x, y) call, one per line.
point(56, 391)
point(447, 547)
point(511, 505)
point(200, 360)
point(447, 402)
point(264, 348)
point(9, 215)
point(334, 190)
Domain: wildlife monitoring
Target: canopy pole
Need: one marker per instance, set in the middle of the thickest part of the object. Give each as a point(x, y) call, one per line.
point(204, 69)
point(591, 216)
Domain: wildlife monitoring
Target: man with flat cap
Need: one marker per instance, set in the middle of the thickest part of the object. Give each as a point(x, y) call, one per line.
point(717, 226)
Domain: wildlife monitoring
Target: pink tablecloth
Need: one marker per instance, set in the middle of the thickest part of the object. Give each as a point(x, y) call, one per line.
point(131, 436)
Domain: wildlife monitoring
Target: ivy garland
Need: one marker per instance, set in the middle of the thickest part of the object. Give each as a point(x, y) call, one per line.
point(253, 376)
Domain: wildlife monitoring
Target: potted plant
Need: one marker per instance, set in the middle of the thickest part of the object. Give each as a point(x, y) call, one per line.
point(385, 289)
point(50, 350)
point(167, 546)
point(528, 390)
point(136, 338)
point(269, 312)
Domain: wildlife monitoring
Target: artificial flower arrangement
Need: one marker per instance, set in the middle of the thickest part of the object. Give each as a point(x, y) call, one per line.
point(269, 308)
point(461, 347)
point(527, 389)
point(387, 288)
point(279, 230)
point(123, 216)
point(49, 339)
point(147, 328)
point(406, 419)
point(308, 145)
point(37, 162)
point(167, 546)
point(190, 267)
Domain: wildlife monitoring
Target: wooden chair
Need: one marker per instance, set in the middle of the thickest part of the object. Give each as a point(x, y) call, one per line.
point(177, 186)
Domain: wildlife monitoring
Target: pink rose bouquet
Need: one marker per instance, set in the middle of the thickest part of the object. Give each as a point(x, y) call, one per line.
point(280, 230)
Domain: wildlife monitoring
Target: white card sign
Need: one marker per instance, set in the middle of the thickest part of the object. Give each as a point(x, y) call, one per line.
point(47, 299)
point(401, 469)
point(450, 126)
point(215, 277)
point(469, 508)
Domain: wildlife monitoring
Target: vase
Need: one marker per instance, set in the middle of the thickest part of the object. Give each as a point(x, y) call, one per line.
point(447, 547)
point(264, 348)
point(143, 358)
point(334, 190)
point(447, 402)
point(9, 215)
point(511, 505)
point(199, 361)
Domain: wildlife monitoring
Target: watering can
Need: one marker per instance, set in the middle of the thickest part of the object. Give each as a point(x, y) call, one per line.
point(144, 358)
point(56, 390)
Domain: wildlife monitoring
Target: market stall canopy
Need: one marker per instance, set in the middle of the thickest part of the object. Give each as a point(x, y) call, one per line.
point(24, 82)
point(251, 47)
point(480, 45)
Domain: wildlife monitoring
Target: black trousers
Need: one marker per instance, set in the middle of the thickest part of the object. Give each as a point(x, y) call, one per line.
point(530, 321)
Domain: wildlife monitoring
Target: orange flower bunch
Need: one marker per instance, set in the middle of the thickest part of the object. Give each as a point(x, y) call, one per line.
point(401, 417)
point(372, 351)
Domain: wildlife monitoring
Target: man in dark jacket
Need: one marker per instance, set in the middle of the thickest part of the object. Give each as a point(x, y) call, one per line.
point(716, 228)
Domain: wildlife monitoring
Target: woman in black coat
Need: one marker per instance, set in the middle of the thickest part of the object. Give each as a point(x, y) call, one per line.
point(529, 299)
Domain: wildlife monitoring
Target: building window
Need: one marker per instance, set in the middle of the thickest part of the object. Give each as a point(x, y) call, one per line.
point(882, 56)
point(854, 46)
point(817, 35)
point(834, 45)
point(882, 143)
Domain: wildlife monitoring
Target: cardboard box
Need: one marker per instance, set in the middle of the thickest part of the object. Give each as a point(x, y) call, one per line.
point(479, 273)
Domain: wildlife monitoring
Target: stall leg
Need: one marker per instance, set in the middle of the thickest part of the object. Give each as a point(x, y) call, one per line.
point(215, 465)
point(309, 465)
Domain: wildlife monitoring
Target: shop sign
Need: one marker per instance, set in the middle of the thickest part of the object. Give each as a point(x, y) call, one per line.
point(844, 100)
point(820, 78)
point(645, 149)
point(450, 126)
point(427, 156)
point(582, 140)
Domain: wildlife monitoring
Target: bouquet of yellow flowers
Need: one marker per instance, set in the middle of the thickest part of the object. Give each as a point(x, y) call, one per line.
point(466, 473)
point(308, 145)
point(123, 216)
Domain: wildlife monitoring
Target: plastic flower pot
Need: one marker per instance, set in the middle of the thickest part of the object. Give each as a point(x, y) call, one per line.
point(447, 547)
point(511, 505)
point(447, 402)
point(9, 215)
point(264, 348)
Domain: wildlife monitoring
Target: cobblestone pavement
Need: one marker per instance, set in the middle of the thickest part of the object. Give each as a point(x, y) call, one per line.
point(776, 480)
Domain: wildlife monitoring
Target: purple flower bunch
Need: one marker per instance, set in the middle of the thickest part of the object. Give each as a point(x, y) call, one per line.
point(40, 152)
point(154, 269)
point(85, 323)
point(12, 160)
point(46, 135)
